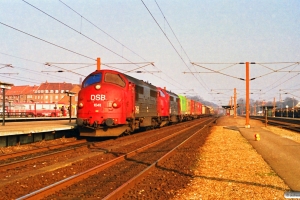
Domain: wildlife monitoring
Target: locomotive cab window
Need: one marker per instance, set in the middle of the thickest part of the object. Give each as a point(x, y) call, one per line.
point(95, 78)
point(161, 93)
point(153, 93)
point(115, 79)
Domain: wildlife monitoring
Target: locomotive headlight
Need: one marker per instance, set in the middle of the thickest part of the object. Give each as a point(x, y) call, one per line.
point(115, 105)
point(97, 87)
point(80, 105)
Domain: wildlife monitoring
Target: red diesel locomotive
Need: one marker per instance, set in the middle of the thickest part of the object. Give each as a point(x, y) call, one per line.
point(111, 103)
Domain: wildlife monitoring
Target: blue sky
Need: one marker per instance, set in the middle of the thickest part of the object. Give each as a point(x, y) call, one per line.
point(137, 31)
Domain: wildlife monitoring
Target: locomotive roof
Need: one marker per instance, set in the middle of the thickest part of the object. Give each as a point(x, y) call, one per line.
point(172, 93)
point(140, 82)
point(131, 79)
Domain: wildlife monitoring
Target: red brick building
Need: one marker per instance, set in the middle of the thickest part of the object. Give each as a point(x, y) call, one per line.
point(45, 93)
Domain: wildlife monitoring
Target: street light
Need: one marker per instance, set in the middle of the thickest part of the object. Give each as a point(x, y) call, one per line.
point(266, 116)
point(287, 107)
point(70, 94)
point(9, 103)
point(293, 108)
point(4, 86)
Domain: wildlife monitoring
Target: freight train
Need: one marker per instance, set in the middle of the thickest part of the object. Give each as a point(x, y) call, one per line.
point(111, 103)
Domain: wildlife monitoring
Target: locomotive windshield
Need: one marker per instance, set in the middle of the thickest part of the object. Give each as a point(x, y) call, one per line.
point(95, 78)
point(161, 93)
point(115, 79)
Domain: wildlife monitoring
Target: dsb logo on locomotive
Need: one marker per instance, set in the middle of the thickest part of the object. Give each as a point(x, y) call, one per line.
point(98, 97)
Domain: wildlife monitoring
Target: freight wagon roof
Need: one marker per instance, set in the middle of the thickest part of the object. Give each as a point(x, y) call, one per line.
point(181, 96)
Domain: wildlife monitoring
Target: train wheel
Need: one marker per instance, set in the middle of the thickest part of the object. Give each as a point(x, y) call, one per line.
point(132, 126)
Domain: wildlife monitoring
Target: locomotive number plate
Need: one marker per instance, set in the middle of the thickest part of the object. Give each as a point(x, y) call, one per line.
point(97, 104)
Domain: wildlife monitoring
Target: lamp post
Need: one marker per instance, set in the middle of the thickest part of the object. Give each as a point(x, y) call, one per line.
point(9, 111)
point(55, 108)
point(287, 109)
point(293, 108)
point(70, 94)
point(4, 86)
point(242, 110)
point(280, 105)
point(266, 116)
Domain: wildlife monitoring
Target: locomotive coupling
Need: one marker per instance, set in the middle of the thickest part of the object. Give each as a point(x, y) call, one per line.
point(79, 121)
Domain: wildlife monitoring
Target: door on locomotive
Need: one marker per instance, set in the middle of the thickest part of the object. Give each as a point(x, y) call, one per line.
point(163, 103)
point(175, 115)
point(163, 107)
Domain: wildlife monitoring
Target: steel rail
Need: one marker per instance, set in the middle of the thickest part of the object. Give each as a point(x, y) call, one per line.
point(31, 151)
point(16, 163)
point(286, 123)
point(48, 190)
point(126, 186)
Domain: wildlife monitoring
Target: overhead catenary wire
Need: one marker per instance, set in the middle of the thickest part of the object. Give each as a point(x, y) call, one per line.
point(289, 79)
point(30, 79)
point(276, 81)
point(169, 41)
point(76, 31)
point(88, 37)
point(34, 71)
point(215, 71)
point(82, 17)
point(274, 85)
point(46, 41)
point(204, 84)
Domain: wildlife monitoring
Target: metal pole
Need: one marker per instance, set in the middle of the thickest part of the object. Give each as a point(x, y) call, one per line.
point(242, 107)
point(234, 99)
point(98, 63)
point(231, 105)
point(280, 106)
point(293, 109)
point(247, 125)
point(274, 104)
point(70, 109)
point(3, 107)
point(266, 118)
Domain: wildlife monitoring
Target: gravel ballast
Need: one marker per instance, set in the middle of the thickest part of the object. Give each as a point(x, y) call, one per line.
point(229, 168)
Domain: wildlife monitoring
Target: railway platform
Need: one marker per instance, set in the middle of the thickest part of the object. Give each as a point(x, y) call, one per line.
point(32, 131)
point(282, 154)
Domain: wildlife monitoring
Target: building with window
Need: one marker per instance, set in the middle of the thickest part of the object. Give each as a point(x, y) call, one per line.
point(44, 93)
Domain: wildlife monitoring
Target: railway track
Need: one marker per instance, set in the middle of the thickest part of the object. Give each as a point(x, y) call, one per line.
point(76, 147)
point(138, 157)
point(39, 150)
point(286, 123)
